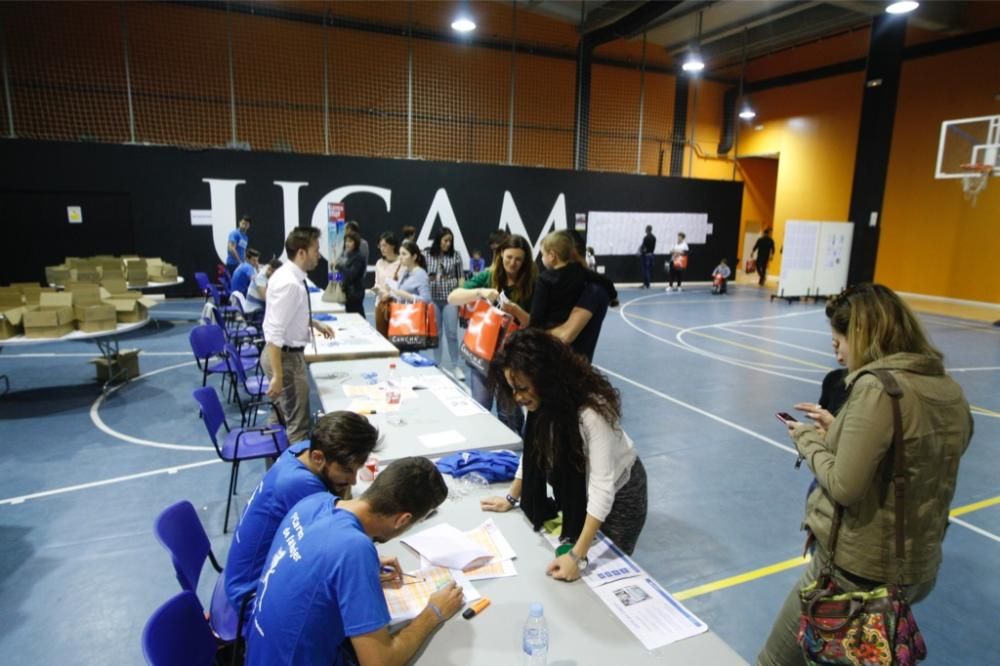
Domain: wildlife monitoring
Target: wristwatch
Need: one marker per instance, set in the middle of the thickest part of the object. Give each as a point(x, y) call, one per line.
point(581, 562)
point(513, 501)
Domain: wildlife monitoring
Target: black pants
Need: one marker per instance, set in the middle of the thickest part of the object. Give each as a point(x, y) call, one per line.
point(355, 305)
point(762, 269)
point(675, 274)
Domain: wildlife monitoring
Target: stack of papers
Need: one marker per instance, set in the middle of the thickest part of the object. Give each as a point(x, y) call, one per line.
point(406, 600)
point(445, 546)
point(490, 538)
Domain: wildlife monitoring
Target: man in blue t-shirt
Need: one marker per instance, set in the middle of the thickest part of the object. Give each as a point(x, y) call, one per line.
point(246, 273)
point(236, 246)
point(340, 445)
point(320, 597)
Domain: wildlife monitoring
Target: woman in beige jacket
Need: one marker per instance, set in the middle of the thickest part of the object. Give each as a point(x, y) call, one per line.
point(873, 329)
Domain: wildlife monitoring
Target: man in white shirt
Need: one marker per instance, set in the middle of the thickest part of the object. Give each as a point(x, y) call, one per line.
point(287, 320)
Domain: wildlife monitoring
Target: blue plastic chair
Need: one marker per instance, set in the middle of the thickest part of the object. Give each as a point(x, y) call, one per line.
point(202, 280)
point(208, 342)
point(177, 634)
point(180, 531)
point(255, 387)
point(240, 444)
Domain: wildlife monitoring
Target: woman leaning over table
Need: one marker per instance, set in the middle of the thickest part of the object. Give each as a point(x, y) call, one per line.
point(573, 441)
point(412, 283)
point(513, 274)
point(853, 461)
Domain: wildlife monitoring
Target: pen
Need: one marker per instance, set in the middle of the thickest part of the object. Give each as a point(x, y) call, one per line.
point(367, 412)
point(476, 608)
point(409, 575)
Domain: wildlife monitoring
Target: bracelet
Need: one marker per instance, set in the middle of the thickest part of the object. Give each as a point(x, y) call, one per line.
point(513, 501)
point(436, 612)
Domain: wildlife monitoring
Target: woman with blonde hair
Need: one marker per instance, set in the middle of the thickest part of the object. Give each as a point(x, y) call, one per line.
point(853, 460)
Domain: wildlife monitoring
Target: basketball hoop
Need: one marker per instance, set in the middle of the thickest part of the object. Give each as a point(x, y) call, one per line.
point(975, 180)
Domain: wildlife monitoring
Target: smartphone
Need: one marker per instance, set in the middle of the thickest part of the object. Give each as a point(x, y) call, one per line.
point(786, 418)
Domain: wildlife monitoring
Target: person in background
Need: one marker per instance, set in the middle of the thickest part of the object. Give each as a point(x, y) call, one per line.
point(412, 283)
point(853, 460)
point(287, 332)
point(497, 238)
point(764, 247)
point(409, 233)
point(351, 265)
point(329, 462)
point(719, 277)
point(512, 274)
point(560, 285)
point(386, 268)
point(646, 254)
point(320, 600)
point(677, 263)
point(236, 244)
point(257, 292)
point(445, 271)
point(476, 264)
point(591, 259)
point(352, 225)
point(574, 442)
point(246, 272)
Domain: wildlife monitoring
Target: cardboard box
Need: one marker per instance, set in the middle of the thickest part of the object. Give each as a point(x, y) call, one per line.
point(111, 267)
point(96, 317)
point(52, 318)
point(125, 364)
point(136, 272)
point(114, 285)
point(84, 273)
point(32, 292)
point(11, 322)
point(11, 297)
point(131, 310)
point(57, 274)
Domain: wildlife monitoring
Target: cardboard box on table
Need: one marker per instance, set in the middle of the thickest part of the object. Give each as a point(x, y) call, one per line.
point(136, 272)
point(32, 291)
point(125, 362)
point(131, 306)
point(51, 318)
point(11, 321)
point(11, 297)
point(160, 271)
point(91, 312)
point(58, 274)
point(111, 267)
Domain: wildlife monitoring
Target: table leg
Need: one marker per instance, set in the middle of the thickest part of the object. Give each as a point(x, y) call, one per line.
point(6, 382)
point(109, 350)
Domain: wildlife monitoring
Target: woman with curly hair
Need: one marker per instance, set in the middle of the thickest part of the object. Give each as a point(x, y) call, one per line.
point(574, 442)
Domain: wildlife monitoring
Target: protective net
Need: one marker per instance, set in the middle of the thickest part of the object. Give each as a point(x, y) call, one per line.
point(378, 79)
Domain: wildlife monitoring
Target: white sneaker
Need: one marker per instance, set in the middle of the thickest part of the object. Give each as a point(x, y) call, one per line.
point(459, 374)
point(678, 289)
point(668, 289)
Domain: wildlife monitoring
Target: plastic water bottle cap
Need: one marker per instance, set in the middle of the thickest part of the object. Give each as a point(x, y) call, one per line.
point(536, 610)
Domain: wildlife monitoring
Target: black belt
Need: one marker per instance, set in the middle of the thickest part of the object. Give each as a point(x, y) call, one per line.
point(286, 348)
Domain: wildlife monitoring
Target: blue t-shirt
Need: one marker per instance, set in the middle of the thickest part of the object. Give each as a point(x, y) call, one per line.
point(320, 586)
point(240, 239)
point(242, 277)
point(282, 487)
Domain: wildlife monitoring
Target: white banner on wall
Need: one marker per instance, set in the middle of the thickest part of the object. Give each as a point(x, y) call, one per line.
point(621, 232)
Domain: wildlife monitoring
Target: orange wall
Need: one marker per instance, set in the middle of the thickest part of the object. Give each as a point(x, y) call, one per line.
point(760, 183)
point(933, 241)
point(814, 128)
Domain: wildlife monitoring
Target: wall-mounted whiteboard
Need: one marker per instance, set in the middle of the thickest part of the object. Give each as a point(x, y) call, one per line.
point(815, 258)
point(621, 233)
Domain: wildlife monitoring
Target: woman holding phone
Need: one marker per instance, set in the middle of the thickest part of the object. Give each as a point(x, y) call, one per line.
point(574, 442)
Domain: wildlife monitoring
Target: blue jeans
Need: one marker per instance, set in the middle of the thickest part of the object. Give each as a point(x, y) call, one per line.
point(512, 417)
point(447, 316)
point(647, 269)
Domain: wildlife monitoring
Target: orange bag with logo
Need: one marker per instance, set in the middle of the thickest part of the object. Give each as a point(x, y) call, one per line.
point(413, 325)
point(681, 262)
point(488, 327)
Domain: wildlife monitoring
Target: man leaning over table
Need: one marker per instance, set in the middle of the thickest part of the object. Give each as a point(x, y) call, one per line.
point(320, 598)
point(286, 331)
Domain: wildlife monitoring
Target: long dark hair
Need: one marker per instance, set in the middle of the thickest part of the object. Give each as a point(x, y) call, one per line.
point(565, 383)
point(520, 289)
point(435, 248)
point(414, 249)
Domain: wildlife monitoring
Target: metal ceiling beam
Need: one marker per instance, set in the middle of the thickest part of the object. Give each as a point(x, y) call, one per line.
point(736, 27)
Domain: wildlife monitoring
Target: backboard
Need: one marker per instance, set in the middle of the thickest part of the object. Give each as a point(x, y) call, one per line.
point(967, 141)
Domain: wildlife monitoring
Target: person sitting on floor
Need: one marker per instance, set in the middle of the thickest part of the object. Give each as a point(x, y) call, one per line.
point(719, 277)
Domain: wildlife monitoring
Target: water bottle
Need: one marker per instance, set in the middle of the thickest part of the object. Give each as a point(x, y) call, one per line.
point(394, 390)
point(535, 642)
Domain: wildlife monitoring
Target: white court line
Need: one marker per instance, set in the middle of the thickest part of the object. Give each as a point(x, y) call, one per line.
point(699, 410)
point(977, 530)
point(977, 369)
point(825, 333)
point(106, 429)
point(724, 359)
point(811, 350)
point(106, 482)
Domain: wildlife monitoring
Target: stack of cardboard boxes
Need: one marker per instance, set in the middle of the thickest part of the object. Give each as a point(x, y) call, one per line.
point(136, 270)
point(40, 312)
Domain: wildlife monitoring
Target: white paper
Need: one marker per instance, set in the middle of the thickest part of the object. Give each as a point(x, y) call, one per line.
point(608, 564)
point(433, 440)
point(457, 402)
point(649, 612)
point(74, 214)
point(445, 546)
point(407, 601)
point(201, 218)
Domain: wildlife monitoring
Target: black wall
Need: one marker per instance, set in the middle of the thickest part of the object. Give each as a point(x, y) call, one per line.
point(139, 199)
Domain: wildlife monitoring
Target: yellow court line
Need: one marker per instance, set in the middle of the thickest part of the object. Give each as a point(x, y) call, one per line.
point(739, 579)
point(731, 342)
point(794, 562)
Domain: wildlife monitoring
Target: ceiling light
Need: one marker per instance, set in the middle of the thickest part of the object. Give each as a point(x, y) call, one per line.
point(747, 113)
point(693, 63)
point(902, 7)
point(463, 24)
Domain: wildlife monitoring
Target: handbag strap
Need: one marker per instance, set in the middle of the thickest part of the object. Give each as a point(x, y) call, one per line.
point(895, 392)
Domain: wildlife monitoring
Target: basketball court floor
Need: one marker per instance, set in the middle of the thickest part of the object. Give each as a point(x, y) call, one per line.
point(701, 377)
